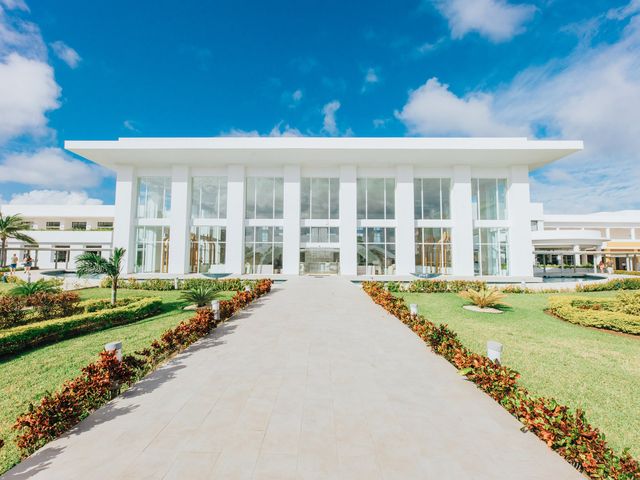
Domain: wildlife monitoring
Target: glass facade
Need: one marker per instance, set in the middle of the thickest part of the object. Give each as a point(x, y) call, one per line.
point(154, 197)
point(432, 198)
point(209, 197)
point(319, 235)
point(319, 198)
point(433, 250)
point(263, 250)
point(207, 248)
point(491, 251)
point(376, 251)
point(489, 198)
point(376, 198)
point(152, 249)
point(264, 197)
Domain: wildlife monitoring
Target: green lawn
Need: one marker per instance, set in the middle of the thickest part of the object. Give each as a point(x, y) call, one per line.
point(26, 377)
point(581, 367)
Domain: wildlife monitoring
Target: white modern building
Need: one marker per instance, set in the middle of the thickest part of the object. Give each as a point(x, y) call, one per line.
point(349, 206)
point(587, 239)
point(62, 232)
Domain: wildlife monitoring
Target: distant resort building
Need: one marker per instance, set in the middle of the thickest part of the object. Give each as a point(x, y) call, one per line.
point(454, 207)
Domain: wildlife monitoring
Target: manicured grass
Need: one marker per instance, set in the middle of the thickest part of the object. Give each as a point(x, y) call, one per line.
point(27, 377)
point(584, 368)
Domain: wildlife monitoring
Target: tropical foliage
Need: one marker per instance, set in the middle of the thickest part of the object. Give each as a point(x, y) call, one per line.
point(25, 289)
point(91, 263)
point(12, 226)
point(201, 295)
point(484, 297)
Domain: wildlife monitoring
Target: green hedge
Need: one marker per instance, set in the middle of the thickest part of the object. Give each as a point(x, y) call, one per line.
point(598, 313)
point(17, 339)
point(444, 286)
point(613, 284)
point(164, 284)
point(626, 272)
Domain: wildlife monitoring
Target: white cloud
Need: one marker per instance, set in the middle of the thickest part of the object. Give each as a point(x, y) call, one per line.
point(297, 95)
point(329, 124)
point(65, 53)
point(54, 197)
point(28, 91)
point(285, 130)
point(591, 95)
point(380, 122)
point(50, 167)
point(498, 20)
point(433, 109)
point(130, 125)
point(280, 129)
point(625, 11)
point(371, 77)
point(14, 5)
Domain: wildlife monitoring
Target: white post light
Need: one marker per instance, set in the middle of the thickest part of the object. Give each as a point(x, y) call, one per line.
point(115, 347)
point(494, 350)
point(523, 285)
point(215, 306)
point(413, 308)
point(175, 283)
point(247, 288)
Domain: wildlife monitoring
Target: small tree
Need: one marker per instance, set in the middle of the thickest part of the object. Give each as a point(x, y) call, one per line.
point(201, 295)
point(91, 263)
point(12, 226)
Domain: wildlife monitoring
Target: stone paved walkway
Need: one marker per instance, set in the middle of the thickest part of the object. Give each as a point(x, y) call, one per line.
point(312, 381)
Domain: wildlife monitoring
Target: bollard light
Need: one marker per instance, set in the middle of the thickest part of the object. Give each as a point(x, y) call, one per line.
point(413, 308)
point(215, 307)
point(247, 288)
point(494, 349)
point(175, 283)
point(523, 284)
point(115, 347)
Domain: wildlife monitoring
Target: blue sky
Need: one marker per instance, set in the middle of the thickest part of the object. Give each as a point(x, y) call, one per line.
point(100, 70)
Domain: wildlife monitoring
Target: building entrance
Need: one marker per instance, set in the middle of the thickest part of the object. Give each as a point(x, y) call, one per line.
point(319, 261)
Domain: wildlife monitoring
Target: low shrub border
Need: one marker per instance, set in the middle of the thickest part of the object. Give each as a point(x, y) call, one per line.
point(593, 313)
point(613, 284)
point(165, 284)
point(18, 339)
point(626, 272)
point(100, 381)
point(565, 431)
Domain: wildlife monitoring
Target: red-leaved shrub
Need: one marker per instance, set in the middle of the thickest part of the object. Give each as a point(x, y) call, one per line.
point(57, 412)
point(562, 429)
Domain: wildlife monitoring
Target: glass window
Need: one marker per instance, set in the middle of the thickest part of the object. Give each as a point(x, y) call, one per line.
point(209, 197)
point(264, 197)
point(376, 251)
point(152, 249)
point(60, 254)
point(263, 250)
point(433, 250)
point(105, 225)
point(376, 198)
point(319, 198)
point(78, 225)
point(319, 235)
point(52, 225)
point(154, 197)
point(490, 251)
point(208, 248)
point(432, 198)
point(489, 198)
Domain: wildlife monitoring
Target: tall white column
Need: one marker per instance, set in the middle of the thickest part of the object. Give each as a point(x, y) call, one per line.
point(405, 230)
point(180, 215)
point(519, 214)
point(291, 215)
point(125, 205)
point(577, 260)
point(348, 220)
point(462, 221)
point(235, 219)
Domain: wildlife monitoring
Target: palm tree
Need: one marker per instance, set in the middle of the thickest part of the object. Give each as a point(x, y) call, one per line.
point(11, 226)
point(91, 263)
point(201, 295)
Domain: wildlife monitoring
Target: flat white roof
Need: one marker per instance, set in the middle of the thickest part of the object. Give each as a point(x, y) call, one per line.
point(60, 211)
point(324, 151)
